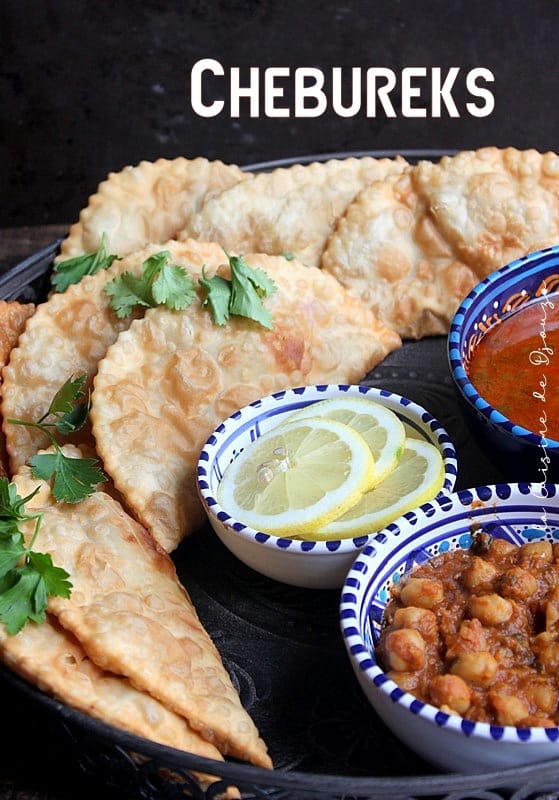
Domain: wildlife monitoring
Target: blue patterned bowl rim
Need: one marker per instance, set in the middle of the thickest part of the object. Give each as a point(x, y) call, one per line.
point(435, 527)
point(526, 265)
point(268, 406)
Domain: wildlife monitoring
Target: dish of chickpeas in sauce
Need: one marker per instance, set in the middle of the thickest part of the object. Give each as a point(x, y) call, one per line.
point(476, 632)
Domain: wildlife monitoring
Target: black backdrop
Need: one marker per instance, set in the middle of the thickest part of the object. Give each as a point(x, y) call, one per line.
point(86, 87)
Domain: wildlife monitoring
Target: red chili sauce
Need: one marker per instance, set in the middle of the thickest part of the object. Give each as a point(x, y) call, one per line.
point(515, 367)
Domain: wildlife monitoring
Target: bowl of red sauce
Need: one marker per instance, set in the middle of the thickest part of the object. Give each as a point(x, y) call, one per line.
point(503, 349)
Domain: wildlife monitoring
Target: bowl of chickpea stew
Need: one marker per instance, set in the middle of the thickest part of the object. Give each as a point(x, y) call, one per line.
point(450, 617)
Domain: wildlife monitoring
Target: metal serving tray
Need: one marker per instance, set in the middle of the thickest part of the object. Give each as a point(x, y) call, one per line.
point(283, 649)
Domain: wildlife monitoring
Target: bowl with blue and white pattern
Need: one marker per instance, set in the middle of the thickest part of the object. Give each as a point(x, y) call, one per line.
point(304, 563)
point(518, 513)
point(521, 454)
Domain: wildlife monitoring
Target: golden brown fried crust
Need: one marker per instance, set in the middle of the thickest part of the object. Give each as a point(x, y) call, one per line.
point(147, 203)
point(289, 210)
point(133, 618)
point(13, 318)
point(172, 377)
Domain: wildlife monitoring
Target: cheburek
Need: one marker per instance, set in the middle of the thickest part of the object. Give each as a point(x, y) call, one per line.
point(493, 205)
point(289, 210)
point(388, 252)
point(147, 203)
point(174, 375)
point(52, 659)
point(67, 335)
point(13, 318)
point(133, 618)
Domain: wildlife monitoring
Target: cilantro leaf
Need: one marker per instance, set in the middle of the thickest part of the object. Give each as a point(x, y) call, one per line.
point(66, 396)
point(55, 579)
point(74, 478)
point(19, 601)
point(11, 507)
point(72, 270)
point(161, 283)
point(74, 420)
point(126, 292)
point(240, 296)
point(173, 287)
point(247, 288)
point(27, 577)
point(218, 296)
point(11, 549)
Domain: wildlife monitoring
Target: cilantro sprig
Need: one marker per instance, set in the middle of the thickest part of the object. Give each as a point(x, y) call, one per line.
point(241, 296)
point(161, 283)
point(164, 284)
point(27, 577)
point(72, 270)
point(74, 478)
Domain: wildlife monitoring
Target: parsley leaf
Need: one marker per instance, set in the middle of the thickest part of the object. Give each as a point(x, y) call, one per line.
point(72, 270)
point(240, 296)
point(74, 478)
point(161, 283)
point(27, 577)
point(248, 286)
point(218, 296)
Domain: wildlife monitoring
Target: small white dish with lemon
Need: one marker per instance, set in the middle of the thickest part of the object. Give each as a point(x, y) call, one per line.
point(295, 483)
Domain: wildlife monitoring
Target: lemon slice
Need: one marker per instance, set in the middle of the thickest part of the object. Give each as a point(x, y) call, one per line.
point(418, 477)
point(381, 428)
point(297, 477)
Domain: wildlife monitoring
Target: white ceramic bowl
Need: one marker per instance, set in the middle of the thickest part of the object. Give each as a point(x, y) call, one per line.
point(517, 512)
point(308, 564)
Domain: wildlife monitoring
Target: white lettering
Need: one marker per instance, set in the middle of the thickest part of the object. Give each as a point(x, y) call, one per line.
point(313, 90)
point(310, 91)
point(381, 92)
point(271, 91)
point(443, 92)
point(409, 92)
point(337, 102)
point(484, 94)
point(198, 106)
point(251, 91)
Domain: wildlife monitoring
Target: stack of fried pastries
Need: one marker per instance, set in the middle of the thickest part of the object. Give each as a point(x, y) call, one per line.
point(363, 252)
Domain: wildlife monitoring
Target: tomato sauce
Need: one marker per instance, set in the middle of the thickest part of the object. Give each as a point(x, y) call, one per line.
point(515, 367)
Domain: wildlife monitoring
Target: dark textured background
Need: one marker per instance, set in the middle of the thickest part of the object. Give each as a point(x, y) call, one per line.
point(86, 87)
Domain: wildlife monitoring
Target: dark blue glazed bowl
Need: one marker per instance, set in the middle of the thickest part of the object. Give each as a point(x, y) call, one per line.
point(518, 513)
point(519, 453)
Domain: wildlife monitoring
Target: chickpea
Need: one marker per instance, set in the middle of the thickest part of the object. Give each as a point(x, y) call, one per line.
point(405, 650)
point(518, 583)
point(422, 592)
point(469, 639)
point(509, 710)
point(546, 650)
point(478, 669)
point(407, 681)
point(543, 695)
point(450, 691)
point(535, 555)
point(491, 609)
point(479, 573)
point(421, 619)
point(500, 549)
